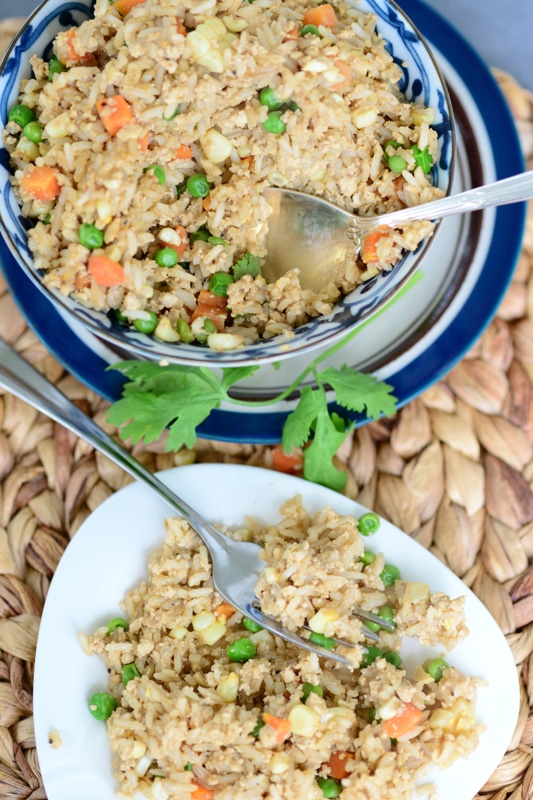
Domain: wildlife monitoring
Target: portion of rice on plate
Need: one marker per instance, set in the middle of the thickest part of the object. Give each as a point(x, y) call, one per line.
point(201, 703)
point(141, 149)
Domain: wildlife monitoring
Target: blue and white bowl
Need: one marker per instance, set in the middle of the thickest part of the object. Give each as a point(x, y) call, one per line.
point(422, 81)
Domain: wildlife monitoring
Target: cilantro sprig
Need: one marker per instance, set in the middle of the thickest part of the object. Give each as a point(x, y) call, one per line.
point(179, 398)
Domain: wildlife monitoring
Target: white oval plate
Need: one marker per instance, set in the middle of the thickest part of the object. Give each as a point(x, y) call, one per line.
point(108, 557)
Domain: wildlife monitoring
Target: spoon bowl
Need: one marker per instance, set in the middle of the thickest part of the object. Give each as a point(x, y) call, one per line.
point(317, 237)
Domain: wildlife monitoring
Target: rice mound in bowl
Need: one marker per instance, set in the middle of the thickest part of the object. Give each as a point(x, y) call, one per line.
point(194, 717)
point(159, 125)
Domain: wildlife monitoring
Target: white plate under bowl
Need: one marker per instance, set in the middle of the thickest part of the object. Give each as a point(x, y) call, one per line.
point(108, 557)
point(426, 330)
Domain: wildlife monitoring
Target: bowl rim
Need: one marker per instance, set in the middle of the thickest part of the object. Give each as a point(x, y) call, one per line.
point(146, 346)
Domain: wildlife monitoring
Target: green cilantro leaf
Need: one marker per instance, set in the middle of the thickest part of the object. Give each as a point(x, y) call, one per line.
point(358, 391)
point(231, 375)
point(300, 422)
point(247, 265)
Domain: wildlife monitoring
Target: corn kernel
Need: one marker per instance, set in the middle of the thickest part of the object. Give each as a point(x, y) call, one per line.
point(390, 708)
point(279, 763)
point(304, 720)
point(28, 149)
point(224, 341)
point(213, 632)
point(419, 115)
point(459, 717)
point(364, 117)
point(212, 60)
point(213, 28)
point(228, 687)
point(138, 749)
point(323, 617)
point(415, 592)
point(198, 43)
point(234, 24)
point(59, 127)
point(203, 620)
point(216, 146)
point(178, 633)
point(165, 331)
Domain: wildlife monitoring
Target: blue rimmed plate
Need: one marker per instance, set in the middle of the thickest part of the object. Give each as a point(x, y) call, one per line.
point(428, 328)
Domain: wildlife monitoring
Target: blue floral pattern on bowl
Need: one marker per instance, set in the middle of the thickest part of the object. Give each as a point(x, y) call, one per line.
point(421, 81)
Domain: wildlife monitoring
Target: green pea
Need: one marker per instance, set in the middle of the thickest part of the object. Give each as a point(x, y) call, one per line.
point(116, 622)
point(367, 558)
point(393, 658)
point(258, 725)
point(198, 185)
point(330, 787)
point(435, 668)
point(147, 325)
point(102, 705)
point(390, 574)
point(184, 331)
point(209, 326)
point(387, 614)
point(268, 98)
point(368, 524)
point(120, 317)
point(129, 672)
point(219, 282)
point(274, 124)
point(307, 688)
point(158, 171)
point(241, 650)
point(33, 131)
point(90, 236)
point(201, 235)
point(372, 626)
point(54, 67)
point(21, 114)
point(397, 164)
point(370, 656)
point(251, 625)
point(391, 143)
point(216, 240)
point(322, 641)
point(310, 29)
point(166, 257)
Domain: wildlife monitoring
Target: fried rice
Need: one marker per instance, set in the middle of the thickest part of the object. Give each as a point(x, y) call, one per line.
point(133, 105)
point(194, 721)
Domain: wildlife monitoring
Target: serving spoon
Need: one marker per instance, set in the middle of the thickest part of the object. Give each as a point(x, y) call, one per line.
point(311, 234)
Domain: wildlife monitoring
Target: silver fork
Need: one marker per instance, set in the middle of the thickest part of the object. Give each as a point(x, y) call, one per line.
point(236, 565)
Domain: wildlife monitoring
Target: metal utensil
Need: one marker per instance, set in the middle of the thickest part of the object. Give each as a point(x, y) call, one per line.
point(236, 565)
point(315, 236)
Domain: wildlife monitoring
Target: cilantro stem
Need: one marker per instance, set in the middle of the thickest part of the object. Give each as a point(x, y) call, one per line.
point(311, 368)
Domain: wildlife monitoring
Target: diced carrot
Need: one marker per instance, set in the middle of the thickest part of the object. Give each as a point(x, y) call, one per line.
point(206, 203)
point(369, 253)
point(72, 55)
point(105, 271)
point(225, 610)
point(403, 722)
point(346, 72)
point(181, 28)
point(124, 6)
point(182, 247)
point(201, 793)
point(291, 463)
point(281, 725)
point(115, 112)
point(336, 765)
point(291, 34)
point(144, 141)
point(212, 306)
point(248, 160)
point(42, 183)
point(321, 15)
point(184, 152)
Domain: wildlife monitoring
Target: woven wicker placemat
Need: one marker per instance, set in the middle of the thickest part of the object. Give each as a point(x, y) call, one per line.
point(454, 469)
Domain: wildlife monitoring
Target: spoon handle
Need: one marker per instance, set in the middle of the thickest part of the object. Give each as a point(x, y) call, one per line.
point(509, 190)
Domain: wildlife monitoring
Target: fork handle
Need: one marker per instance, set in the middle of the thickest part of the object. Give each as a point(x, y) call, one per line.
point(515, 189)
point(25, 382)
